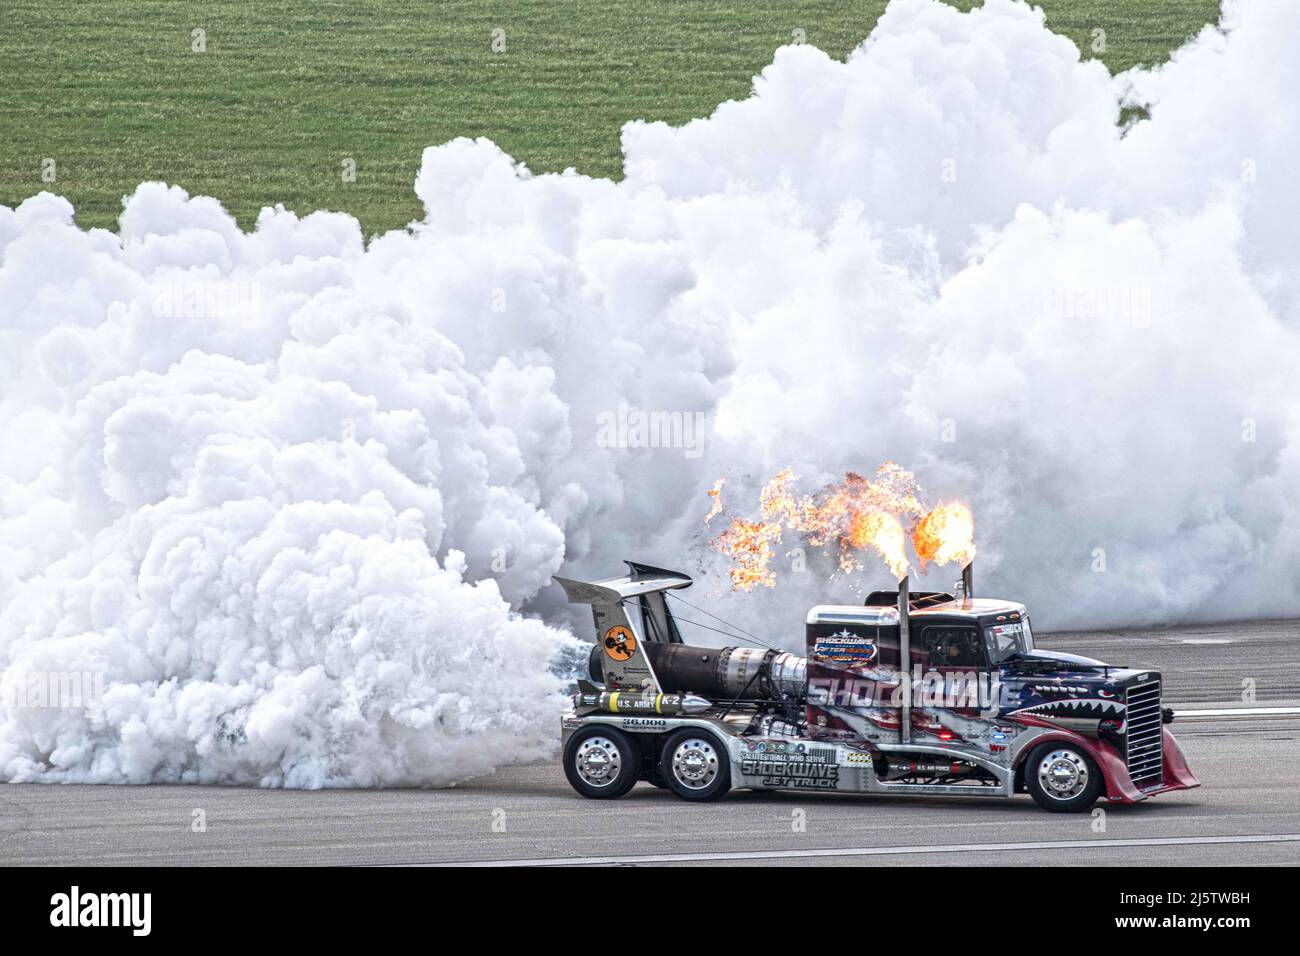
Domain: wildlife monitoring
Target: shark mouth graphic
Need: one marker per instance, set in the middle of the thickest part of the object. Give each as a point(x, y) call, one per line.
point(1087, 708)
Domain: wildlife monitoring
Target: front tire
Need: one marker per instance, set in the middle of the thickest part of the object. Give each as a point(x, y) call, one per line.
point(1062, 778)
point(695, 765)
point(601, 762)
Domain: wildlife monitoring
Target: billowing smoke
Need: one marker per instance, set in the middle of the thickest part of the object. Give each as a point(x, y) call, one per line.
point(291, 500)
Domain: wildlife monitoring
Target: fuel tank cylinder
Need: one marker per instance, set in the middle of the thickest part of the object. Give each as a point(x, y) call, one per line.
point(727, 673)
point(899, 768)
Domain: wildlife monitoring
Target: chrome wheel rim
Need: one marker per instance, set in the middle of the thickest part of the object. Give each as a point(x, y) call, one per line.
point(1063, 774)
point(598, 761)
point(695, 763)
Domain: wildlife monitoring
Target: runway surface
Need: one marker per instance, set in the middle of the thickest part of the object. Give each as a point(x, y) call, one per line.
point(1247, 811)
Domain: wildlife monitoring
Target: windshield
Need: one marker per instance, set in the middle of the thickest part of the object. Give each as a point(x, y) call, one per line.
point(1007, 640)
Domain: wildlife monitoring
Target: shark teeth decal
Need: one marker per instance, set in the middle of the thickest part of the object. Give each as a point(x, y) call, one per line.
point(1084, 707)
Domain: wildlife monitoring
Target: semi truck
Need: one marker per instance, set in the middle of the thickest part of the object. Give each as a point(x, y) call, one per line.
point(922, 692)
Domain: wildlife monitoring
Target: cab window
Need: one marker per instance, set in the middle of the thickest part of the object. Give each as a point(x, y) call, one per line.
point(952, 647)
point(1007, 640)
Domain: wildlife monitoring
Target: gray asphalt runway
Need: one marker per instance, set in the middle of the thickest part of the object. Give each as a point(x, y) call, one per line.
point(1247, 811)
point(1205, 664)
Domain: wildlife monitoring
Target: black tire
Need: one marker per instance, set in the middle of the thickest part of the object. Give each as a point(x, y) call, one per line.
point(1062, 778)
point(701, 771)
point(583, 756)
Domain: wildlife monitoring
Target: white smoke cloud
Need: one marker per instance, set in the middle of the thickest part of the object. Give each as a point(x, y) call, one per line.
point(297, 497)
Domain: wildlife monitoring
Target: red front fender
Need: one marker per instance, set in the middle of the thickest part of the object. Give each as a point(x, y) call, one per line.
point(1178, 776)
point(1119, 785)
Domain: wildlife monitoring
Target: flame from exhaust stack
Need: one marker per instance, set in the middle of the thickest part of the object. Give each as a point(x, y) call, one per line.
point(856, 516)
point(878, 531)
point(946, 534)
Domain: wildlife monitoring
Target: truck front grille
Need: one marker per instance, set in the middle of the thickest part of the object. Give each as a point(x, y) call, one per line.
point(1144, 747)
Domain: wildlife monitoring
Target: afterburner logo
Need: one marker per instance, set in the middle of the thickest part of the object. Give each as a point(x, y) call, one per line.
point(102, 909)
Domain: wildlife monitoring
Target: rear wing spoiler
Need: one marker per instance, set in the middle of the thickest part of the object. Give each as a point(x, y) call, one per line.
point(628, 611)
point(640, 579)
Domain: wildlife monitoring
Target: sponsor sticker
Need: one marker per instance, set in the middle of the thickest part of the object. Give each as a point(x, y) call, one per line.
point(845, 647)
point(807, 768)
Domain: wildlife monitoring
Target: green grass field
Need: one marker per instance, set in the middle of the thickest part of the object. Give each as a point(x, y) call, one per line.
point(111, 91)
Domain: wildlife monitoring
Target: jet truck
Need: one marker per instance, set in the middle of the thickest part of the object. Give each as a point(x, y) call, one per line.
point(911, 692)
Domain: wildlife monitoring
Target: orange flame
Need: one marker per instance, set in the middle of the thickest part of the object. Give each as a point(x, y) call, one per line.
point(857, 515)
point(716, 494)
point(749, 544)
point(881, 532)
point(946, 534)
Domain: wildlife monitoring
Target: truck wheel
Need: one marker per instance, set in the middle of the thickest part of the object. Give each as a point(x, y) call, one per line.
point(601, 762)
point(695, 765)
point(1062, 778)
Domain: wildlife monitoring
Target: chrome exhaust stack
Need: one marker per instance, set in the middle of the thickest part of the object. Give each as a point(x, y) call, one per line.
point(904, 660)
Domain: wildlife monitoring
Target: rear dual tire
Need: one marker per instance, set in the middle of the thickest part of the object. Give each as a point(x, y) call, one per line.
point(695, 766)
point(602, 763)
